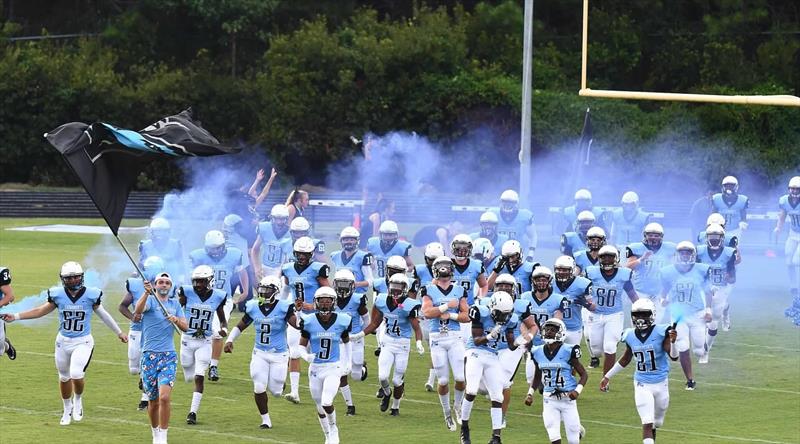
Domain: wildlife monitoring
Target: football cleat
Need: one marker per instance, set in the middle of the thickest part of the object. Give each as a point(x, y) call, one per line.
point(428, 387)
point(380, 393)
point(377, 351)
point(141, 385)
point(582, 432)
point(691, 384)
point(66, 418)
point(364, 371)
point(191, 418)
point(265, 426)
point(449, 423)
point(703, 359)
point(10, 350)
point(394, 412)
point(291, 397)
point(77, 411)
point(465, 435)
point(594, 363)
point(457, 413)
point(503, 424)
point(726, 322)
point(213, 373)
point(385, 403)
point(351, 410)
point(142, 405)
point(495, 440)
point(333, 435)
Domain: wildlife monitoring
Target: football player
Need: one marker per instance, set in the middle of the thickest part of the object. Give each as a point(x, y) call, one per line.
point(270, 357)
point(232, 227)
point(583, 202)
point(556, 363)
point(134, 288)
point(543, 306)
point(789, 207)
point(577, 290)
point(74, 342)
point(301, 277)
point(686, 288)
point(401, 315)
point(355, 305)
point(722, 262)
point(516, 223)
point(423, 275)
point(732, 206)
point(483, 251)
point(160, 244)
point(510, 261)
point(359, 262)
point(299, 227)
point(267, 252)
point(650, 344)
point(445, 306)
point(225, 262)
point(627, 222)
point(489, 223)
point(609, 282)
point(647, 258)
point(595, 240)
point(490, 326)
point(573, 241)
point(200, 302)
point(388, 244)
point(325, 345)
point(6, 297)
point(467, 271)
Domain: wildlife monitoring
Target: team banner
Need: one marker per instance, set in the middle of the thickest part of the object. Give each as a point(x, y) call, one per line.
point(108, 159)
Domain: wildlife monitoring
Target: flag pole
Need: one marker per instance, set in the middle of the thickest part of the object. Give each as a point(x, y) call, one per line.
point(141, 274)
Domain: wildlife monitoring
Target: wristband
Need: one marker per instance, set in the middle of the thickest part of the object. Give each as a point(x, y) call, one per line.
point(443, 308)
point(234, 334)
point(579, 388)
point(614, 370)
point(531, 391)
point(16, 316)
point(453, 316)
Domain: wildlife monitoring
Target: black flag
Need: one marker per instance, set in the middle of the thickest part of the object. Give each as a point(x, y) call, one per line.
point(586, 138)
point(108, 159)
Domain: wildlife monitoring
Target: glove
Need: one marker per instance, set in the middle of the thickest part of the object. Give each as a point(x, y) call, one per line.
point(529, 257)
point(520, 341)
point(495, 332)
point(357, 336)
point(420, 348)
point(500, 264)
point(743, 225)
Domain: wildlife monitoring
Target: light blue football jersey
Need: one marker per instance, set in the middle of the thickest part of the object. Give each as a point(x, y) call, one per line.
point(74, 313)
point(646, 277)
point(652, 362)
point(397, 318)
point(625, 231)
point(584, 260)
point(571, 242)
point(287, 249)
point(271, 245)
point(135, 287)
point(399, 248)
point(570, 215)
point(270, 323)
point(480, 316)
point(733, 212)
point(199, 312)
point(352, 306)
point(303, 281)
point(467, 276)
point(522, 273)
point(157, 331)
point(720, 264)
point(522, 309)
point(580, 286)
point(354, 263)
point(235, 240)
point(515, 228)
point(792, 212)
point(607, 293)
point(324, 339)
point(497, 242)
point(544, 310)
point(686, 289)
point(423, 274)
point(555, 367)
point(170, 252)
point(225, 268)
point(440, 296)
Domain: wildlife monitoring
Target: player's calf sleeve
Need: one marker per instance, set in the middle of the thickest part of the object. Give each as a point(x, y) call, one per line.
point(497, 416)
point(710, 337)
point(385, 386)
point(466, 408)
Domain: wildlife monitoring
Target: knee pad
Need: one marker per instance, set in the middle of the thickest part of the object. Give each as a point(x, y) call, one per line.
point(397, 380)
point(443, 380)
point(698, 350)
point(76, 374)
point(133, 370)
point(259, 387)
point(188, 373)
point(62, 378)
point(712, 326)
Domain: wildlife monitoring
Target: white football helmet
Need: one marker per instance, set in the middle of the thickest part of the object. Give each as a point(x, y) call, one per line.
point(794, 187)
point(432, 251)
point(553, 330)
point(509, 201)
point(715, 218)
point(202, 278)
point(279, 215)
point(608, 256)
point(643, 313)
point(442, 267)
point(584, 221)
point(512, 251)
point(152, 266)
point(564, 269)
point(482, 249)
point(349, 238)
point(389, 233)
point(159, 229)
point(461, 246)
point(344, 283)
point(489, 223)
point(630, 198)
point(72, 275)
point(685, 253)
point(215, 244)
point(542, 278)
point(653, 234)
point(303, 250)
point(395, 265)
point(268, 289)
point(229, 224)
point(730, 185)
point(299, 228)
point(506, 282)
point(595, 238)
point(398, 286)
point(501, 307)
point(715, 236)
point(583, 194)
point(324, 300)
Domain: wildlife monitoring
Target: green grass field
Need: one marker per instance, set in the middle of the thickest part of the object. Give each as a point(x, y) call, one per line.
point(749, 392)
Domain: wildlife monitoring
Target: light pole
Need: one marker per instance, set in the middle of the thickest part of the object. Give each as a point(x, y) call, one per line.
point(527, 83)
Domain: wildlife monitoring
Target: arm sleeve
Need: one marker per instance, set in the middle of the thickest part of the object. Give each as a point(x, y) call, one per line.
point(107, 319)
point(290, 311)
point(408, 251)
point(414, 312)
point(324, 272)
point(475, 317)
point(576, 352)
point(5, 277)
point(629, 252)
point(246, 319)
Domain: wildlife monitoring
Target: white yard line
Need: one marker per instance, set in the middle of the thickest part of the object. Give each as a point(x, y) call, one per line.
point(143, 424)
